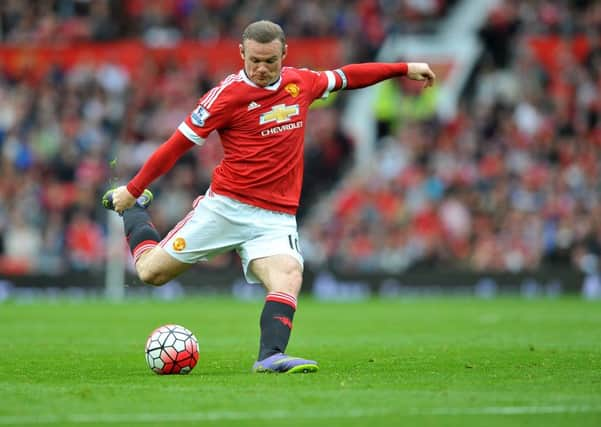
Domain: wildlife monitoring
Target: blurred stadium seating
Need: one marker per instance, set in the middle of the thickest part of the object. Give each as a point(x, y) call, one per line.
point(510, 182)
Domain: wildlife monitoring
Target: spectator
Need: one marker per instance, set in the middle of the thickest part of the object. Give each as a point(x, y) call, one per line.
point(510, 183)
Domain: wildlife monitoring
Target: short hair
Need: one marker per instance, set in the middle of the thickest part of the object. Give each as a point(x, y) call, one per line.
point(264, 32)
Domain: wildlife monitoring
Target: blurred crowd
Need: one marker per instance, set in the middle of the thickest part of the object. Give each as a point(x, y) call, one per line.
point(363, 24)
point(68, 136)
point(510, 183)
point(101, 20)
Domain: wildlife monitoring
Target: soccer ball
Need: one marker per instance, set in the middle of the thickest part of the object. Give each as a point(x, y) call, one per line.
point(171, 349)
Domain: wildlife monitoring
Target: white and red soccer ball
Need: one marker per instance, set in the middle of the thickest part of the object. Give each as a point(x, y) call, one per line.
point(171, 349)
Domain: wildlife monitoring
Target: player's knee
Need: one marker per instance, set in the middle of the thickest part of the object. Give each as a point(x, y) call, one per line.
point(296, 278)
point(157, 267)
point(150, 275)
point(291, 279)
point(279, 273)
point(151, 278)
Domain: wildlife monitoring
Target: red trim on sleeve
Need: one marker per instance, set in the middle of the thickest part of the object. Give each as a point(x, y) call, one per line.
point(369, 73)
point(160, 162)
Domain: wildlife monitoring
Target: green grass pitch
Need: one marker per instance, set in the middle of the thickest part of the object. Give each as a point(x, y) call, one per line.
point(401, 362)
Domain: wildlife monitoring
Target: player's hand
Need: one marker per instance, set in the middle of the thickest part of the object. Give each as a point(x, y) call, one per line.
point(422, 72)
point(122, 199)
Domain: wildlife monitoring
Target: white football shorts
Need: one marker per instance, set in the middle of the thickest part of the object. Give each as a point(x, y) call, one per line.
point(218, 224)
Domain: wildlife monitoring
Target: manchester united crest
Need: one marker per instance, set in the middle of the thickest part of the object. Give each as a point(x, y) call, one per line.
point(292, 89)
point(179, 244)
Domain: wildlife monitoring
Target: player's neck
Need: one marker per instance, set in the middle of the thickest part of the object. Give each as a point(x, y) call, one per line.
point(277, 79)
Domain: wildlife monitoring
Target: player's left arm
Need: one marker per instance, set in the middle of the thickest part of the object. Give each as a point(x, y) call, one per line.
point(367, 74)
point(355, 76)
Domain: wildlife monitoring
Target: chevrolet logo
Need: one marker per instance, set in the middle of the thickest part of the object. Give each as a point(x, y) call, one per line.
point(280, 113)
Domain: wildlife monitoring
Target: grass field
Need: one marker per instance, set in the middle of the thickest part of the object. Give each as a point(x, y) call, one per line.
point(419, 362)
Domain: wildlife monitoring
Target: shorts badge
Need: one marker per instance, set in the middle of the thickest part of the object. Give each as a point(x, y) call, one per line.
point(179, 244)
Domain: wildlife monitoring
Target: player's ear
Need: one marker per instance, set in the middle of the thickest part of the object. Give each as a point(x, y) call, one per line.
point(284, 51)
point(241, 50)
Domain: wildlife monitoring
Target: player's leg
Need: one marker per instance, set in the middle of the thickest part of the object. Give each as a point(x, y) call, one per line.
point(202, 234)
point(156, 267)
point(153, 264)
point(274, 260)
point(281, 274)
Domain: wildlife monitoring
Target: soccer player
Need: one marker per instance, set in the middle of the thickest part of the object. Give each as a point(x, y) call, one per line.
point(260, 114)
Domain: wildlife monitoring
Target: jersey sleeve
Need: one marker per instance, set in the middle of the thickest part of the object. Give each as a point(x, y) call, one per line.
point(159, 162)
point(209, 114)
point(353, 76)
point(323, 83)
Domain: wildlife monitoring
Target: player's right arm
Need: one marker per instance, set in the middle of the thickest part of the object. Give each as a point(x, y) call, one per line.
point(208, 115)
point(161, 161)
point(157, 164)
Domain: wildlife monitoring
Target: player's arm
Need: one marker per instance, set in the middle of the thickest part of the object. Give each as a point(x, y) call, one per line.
point(355, 76)
point(208, 115)
point(161, 161)
point(367, 74)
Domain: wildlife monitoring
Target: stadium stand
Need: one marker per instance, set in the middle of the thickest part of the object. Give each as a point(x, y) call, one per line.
point(510, 183)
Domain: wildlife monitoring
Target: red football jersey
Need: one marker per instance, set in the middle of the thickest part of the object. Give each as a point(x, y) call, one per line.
point(262, 130)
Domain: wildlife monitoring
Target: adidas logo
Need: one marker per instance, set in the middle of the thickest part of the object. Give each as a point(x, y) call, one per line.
point(253, 105)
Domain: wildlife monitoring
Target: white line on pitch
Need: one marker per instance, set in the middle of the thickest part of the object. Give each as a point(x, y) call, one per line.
point(229, 415)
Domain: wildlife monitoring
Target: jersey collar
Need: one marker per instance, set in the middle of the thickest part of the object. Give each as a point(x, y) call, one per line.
point(273, 87)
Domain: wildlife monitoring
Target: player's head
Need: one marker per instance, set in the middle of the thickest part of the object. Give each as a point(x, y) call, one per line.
point(263, 49)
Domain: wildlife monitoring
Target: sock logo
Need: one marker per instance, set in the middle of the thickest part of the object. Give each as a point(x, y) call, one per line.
point(285, 321)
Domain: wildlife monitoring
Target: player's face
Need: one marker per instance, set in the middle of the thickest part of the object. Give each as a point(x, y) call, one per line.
point(263, 61)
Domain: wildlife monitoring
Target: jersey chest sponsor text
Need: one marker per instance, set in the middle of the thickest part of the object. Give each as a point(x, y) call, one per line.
point(282, 128)
point(280, 114)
